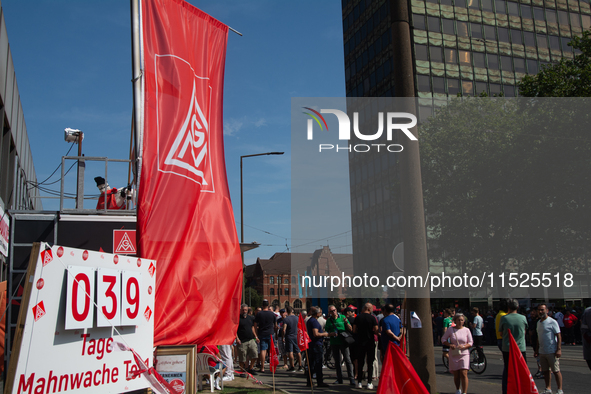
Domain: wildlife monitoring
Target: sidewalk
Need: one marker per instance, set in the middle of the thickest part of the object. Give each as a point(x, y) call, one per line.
point(295, 383)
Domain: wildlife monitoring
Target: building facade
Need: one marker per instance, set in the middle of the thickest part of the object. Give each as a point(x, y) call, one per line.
point(459, 46)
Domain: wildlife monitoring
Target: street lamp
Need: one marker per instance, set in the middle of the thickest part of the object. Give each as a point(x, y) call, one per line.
point(242, 210)
point(76, 136)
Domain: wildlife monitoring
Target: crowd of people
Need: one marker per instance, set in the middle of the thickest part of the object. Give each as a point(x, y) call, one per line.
point(545, 329)
point(354, 340)
point(355, 337)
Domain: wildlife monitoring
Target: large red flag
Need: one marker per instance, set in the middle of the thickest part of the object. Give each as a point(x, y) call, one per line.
point(519, 379)
point(303, 338)
point(398, 375)
point(273, 359)
point(185, 219)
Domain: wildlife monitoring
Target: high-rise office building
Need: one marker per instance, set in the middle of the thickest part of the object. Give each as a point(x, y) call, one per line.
point(459, 46)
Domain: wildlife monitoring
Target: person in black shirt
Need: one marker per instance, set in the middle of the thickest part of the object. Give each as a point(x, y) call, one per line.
point(246, 339)
point(265, 325)
point(317, 335)
point(366, 327)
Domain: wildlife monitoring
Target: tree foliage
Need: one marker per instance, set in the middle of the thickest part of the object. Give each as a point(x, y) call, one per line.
point(508, 181)
point(567, 78)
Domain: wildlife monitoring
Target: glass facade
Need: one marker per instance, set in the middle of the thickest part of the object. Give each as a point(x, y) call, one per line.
point(460, 46)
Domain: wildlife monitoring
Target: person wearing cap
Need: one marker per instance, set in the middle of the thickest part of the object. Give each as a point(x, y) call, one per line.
point(115, 199)
point(265, 323)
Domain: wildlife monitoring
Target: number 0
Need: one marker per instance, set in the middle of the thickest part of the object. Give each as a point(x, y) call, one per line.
point(80, 278)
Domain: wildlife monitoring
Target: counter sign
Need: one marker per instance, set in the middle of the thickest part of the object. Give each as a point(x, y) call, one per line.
point(79, 306)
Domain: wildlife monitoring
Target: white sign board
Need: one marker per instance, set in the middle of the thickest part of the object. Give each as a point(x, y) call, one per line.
point(78, 304)
point(4, 232)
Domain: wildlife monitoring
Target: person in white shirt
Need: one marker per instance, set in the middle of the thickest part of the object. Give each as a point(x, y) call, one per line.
point(549, 348)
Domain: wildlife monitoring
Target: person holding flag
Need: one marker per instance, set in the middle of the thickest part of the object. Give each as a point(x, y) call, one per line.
point(519, 379)
point(513, 326)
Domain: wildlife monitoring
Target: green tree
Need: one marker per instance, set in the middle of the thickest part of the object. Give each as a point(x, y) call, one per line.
point(252, 297)
point(507, 183)
point(567, 78)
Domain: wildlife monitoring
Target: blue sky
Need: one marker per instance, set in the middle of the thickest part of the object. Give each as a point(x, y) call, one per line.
point(73, 68)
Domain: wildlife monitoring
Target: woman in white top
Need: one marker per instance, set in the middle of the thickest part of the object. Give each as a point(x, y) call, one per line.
point(459, 340)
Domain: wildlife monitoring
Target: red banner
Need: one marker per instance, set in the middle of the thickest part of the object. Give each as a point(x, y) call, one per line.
point(398, 374)
point(273, 359)
point(303, 338)
point(519, 379)
point(185, 219)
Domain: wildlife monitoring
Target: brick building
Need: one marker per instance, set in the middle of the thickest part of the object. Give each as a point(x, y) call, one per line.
point(279, 278)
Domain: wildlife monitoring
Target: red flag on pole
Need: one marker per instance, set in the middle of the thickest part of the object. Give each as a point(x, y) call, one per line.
point(519, 379)
point(398, 375)
point(303, 338)
point(273, 359)
point(185, 218)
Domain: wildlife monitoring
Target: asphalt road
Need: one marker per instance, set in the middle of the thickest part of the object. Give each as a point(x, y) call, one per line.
point(576, 376)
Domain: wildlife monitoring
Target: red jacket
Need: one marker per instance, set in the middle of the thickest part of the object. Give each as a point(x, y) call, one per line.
point(111, 200)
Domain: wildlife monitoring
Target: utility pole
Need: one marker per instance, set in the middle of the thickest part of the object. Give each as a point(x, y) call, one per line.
point(411, 195)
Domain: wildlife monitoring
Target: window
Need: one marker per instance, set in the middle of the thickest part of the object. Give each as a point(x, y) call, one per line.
point(519, 65)
point(467, 88)
point(297, 304)
point(503, 34)
point(438, 85)
point(433, 24)
point(278, 280)
point(436, 54)
point(279, 291)
point(575, 21)
point(550, 16)
point(489, 33)
point(272, 291)
point(565, 47)
point(286, 291)
point(286, 304)
point(286, 281)
point(448, 26)
point(509, 90)
point(465, 58)
point(493, 61)
point(271, 279)
point(500, 7)
point(532, 66)
point(479, 60)
point(476, 30)
point(526, 12)
point(516, 37)
point(460, 3)
point(487, 5)
point(293, 291)
point(473, 4)
point(462, 29)
point(451, 55)
point(481, 88)
point(495, 89)
point(293, 280)
point(453, 87)
point(513, 9)
point(421, 52)
point(586, 21)
point(563, 18)
point(418, 21)
point(542, 41)
point(506, 63)
point(554, 42)
point(539, 14)
point(423, 83)
point(529, 38)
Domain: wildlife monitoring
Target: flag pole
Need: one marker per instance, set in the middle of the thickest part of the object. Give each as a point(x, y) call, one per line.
point(309, 371)
point(136, 70)
point(273, 381)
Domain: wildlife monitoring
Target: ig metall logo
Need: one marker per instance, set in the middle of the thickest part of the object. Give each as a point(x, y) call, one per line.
point(391, 120)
